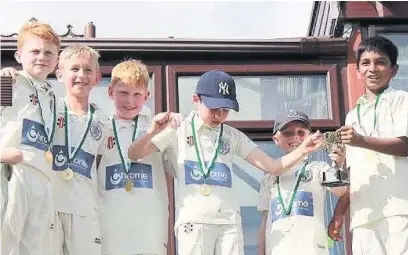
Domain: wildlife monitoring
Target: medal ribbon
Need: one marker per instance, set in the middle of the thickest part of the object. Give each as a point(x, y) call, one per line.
point(50, 135)
point(287, 209)
point(116, 134)
point(377, 99)
point(205, 170)
point(72, 154)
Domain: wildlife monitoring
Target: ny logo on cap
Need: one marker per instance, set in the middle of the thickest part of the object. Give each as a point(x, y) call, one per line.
point(223, 88)
point(293, 113)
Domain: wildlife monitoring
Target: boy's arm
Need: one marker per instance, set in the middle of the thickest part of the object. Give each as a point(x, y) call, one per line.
point(395, 146)
point(336, 223)
point(276, 167)
point(162, 137)
point(11, 156)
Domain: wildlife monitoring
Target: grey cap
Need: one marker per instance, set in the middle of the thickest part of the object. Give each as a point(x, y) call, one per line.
point(283, 118)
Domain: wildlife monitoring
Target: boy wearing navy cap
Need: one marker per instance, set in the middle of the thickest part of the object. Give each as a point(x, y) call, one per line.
point(208, 219)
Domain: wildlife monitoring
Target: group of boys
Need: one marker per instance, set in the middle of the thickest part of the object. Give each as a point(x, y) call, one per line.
point(72, 188)
point(83, 183)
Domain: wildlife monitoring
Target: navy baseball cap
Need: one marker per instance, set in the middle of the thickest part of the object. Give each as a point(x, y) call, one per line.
point(283, 118)
point(217, 90)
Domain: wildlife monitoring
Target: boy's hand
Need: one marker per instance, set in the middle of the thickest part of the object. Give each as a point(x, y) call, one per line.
point(337, 155)
point(176, 119)
point(12, 156)
point(161, 120)
point(9, 71)
point(312, 143)
point(349, 136)
point(334, 229)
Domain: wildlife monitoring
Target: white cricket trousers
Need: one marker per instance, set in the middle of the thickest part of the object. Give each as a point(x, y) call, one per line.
point(209, 239)
point(388, 236)
point(77, 235)
point(28, 221)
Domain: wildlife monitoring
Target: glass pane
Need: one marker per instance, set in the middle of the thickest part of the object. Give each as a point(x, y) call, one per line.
point(400, 81)
point(262, 97)
point(246, 186)
point(99, 96)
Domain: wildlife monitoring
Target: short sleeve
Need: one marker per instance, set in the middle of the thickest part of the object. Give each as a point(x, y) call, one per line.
point(400, 116)
point(166, 139)
point(244, 146)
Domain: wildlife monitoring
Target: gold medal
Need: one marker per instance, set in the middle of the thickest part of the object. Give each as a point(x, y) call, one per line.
point(67, 174)
point(129, 185)
point(205, 190)
point(48, 157)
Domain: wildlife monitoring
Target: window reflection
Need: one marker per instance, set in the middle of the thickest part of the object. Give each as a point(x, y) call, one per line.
point(262, 97)
point(400, 81)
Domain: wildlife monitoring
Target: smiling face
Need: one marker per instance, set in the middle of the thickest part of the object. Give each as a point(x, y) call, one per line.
point(38, 57)
point(376, 71)
point(128, 98)
point(291, 136)
point(79, 74)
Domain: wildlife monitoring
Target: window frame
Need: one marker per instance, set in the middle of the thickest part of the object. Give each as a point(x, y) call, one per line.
point(330, 70)
point(374, 30)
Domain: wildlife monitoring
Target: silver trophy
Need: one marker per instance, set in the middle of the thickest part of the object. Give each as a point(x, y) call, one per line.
point(335, 176)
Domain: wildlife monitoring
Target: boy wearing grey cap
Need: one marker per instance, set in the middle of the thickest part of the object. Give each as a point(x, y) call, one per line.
point(292, 204)
point(208, 219)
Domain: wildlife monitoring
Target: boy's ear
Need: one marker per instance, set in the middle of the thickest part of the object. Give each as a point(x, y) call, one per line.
point(275, 139)
point(394, 70)
point(17, 57)
point(110, 91)
point(58, 74)
point(98, 78)
point(196, 98)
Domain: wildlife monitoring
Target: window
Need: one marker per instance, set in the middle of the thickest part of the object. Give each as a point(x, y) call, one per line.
point(398, 34)
point(265, 90)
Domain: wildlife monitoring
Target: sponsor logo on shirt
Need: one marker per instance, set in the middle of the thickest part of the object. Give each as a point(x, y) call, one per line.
point(220, 174)
point(34, 135)
point(81, 164)
point(139, 173)
point(111, 142)
point(190, 140)
point(302, 205)
point(61, 122)
point(33, 99)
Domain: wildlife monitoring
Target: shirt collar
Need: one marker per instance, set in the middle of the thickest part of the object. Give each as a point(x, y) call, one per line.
point(363, 99)
point(198, 122)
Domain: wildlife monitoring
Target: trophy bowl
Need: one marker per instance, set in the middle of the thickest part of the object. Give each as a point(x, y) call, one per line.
point(334, 176)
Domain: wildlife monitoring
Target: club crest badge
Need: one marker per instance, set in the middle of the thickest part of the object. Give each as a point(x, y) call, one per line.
point(225, 146)
point(307, 176)
point(96, 131)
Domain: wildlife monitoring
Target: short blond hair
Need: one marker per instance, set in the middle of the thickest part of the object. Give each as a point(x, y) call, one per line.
point(78, 50)
point(131, 72)
point(40, 30)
